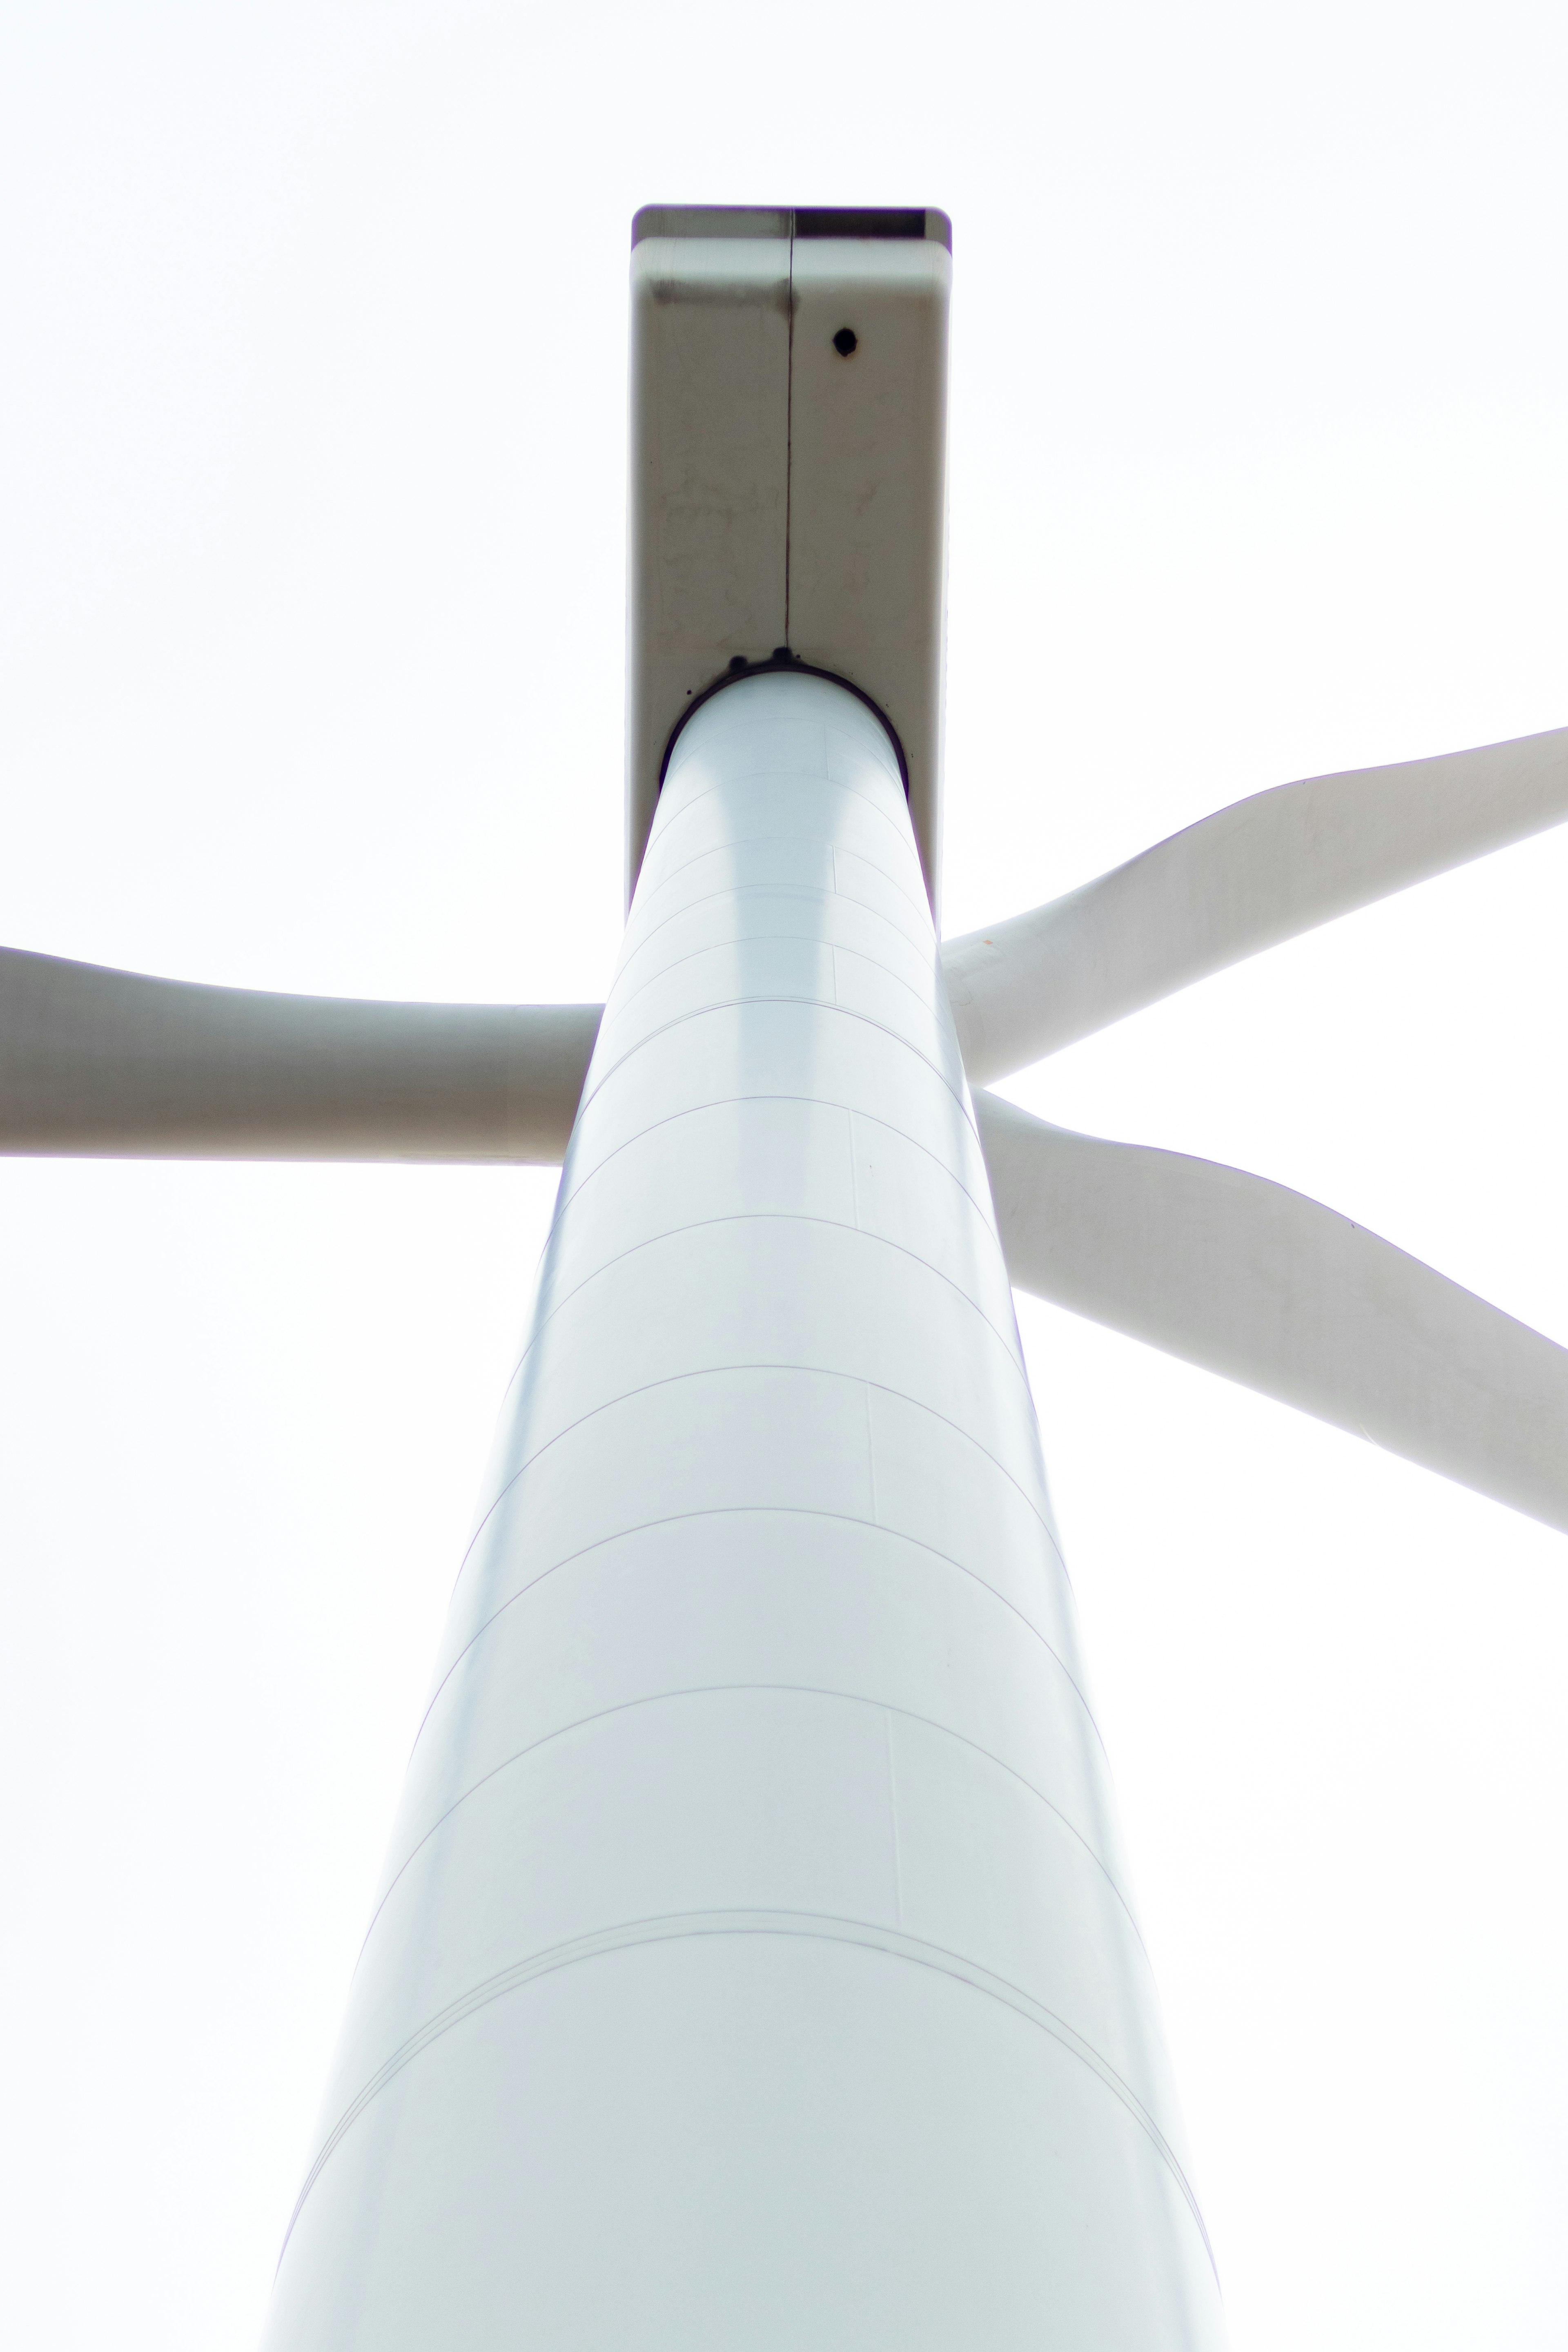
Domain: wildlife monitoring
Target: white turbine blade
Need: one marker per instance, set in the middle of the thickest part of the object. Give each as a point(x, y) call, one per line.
point(1251, 1280)
point(112, 1065)
point(1243, 879)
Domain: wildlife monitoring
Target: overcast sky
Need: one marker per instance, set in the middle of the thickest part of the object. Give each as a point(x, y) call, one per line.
point(312, 424)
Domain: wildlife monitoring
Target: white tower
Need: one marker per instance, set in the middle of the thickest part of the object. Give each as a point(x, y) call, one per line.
point(754, 1961)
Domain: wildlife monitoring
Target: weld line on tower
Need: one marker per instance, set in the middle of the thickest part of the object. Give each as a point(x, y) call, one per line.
point(788, 421)
point(891, 1944)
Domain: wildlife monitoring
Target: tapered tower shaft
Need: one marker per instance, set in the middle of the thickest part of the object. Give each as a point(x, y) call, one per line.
point(753, 1963)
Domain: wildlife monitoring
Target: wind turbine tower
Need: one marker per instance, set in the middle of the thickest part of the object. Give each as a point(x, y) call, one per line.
point(755, 1960)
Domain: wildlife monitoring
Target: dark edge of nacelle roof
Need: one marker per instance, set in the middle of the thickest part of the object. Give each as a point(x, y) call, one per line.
point(924, 224)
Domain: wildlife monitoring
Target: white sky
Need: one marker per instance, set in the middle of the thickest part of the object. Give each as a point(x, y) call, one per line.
point(311, 461)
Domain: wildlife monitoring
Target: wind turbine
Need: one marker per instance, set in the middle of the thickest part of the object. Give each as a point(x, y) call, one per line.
point(752, 1959)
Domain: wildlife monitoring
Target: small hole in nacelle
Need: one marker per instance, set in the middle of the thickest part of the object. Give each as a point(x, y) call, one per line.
point(845, 342)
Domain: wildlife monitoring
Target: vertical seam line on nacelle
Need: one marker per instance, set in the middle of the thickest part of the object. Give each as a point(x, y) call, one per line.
point(788, 417)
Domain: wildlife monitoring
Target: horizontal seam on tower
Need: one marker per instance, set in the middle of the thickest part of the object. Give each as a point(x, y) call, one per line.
point(678, 1927)
point(714, 1690)
point(828, 846)
point(760, 938)
point(921, 905)
point(816, 1004)
point(767, 890)
point(817, 1102)
point(788, 778)
point(764, 1217)
point(781, 1510)
point(692, 749)
point(720, 1371)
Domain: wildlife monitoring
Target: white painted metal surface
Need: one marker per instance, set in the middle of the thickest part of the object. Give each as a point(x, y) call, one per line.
point(753, 1963)
point(787, 471)
point(1240, 880)
point(118, 1064)
point(1263, 1286)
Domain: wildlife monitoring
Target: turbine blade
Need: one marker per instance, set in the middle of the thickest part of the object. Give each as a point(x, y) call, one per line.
point(1243, 879)
point(1264, 1286)
point(112, 1065)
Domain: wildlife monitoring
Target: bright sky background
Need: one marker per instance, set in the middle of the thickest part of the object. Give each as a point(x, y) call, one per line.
point(311, 459)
